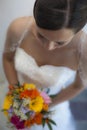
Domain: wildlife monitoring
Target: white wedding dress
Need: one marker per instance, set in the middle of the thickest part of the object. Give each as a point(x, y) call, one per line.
point(52, 79)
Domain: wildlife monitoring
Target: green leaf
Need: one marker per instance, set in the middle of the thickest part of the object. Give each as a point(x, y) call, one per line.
point(43, 122)
point(46, 112)
point(52, 122)
point(21, 102)
point(53, 96)
point(49, 126)
point(4, 110)
point(18, 84)
point(28, 115)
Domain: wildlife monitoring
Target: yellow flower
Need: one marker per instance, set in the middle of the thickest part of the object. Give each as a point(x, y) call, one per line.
point(29, 86)
point(18, 90)
point(36, 104)
point(45, 106)
point(6, 113)
point(7, 102)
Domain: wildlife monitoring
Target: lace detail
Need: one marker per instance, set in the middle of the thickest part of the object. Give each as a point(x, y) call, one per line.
point(85, 29)
point(44, 76)
point(82, 69)
point(12, 46)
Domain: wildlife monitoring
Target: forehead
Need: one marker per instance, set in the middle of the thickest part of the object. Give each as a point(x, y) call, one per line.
point(61, 34)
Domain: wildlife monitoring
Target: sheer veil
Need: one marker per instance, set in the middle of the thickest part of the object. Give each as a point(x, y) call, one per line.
point(12, 44)
point(83, 57)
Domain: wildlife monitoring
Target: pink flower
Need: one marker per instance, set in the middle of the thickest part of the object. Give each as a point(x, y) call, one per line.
point(16, 121)
point(46, 98)
point(24, 129)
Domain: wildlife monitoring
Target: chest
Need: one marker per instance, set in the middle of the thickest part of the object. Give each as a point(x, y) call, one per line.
point(66, 56)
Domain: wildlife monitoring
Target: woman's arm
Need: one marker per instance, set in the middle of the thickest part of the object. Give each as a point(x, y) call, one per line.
point(8, 57)
point(10, 71)
point(69, 92)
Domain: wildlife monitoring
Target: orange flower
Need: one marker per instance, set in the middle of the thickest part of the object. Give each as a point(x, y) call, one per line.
point(24, 94)
point(38, 118)
point(34, 93)
point(29, 123)
point(11, 87)
point(30, 93)
point(47, 120)
point(45, 106)
point(9, 93)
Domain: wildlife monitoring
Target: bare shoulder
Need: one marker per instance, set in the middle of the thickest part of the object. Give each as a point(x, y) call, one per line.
point(17, 26)
point(14, 33)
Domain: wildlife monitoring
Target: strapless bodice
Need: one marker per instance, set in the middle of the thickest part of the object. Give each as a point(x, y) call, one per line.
point(43, 76)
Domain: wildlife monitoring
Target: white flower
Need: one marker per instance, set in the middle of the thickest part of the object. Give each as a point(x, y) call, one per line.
point(26, 101)
point(16, 112)
point(21, 114)
point(15, 104)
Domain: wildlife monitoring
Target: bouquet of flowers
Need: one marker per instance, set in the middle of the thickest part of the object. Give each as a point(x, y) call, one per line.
point(26, 106)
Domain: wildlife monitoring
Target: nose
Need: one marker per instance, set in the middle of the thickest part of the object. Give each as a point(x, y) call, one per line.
point(52, 45)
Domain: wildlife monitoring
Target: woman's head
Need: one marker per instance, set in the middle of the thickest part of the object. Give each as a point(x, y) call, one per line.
point(60, 16)
point(57, 14)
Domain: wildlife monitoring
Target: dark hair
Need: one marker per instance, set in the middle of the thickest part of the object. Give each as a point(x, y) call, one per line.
point(57, 14)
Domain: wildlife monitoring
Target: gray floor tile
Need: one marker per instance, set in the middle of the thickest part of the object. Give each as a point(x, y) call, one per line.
point(81, 97)
point(79, 110)
point(81, 125)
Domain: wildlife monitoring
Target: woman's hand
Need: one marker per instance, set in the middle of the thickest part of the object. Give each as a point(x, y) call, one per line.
point(69, 92)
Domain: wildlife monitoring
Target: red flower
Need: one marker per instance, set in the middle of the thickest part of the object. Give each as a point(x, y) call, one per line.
point(16, 121)
point(30, 93)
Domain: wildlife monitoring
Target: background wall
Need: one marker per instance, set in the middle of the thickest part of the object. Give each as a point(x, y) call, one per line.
point(9, 10)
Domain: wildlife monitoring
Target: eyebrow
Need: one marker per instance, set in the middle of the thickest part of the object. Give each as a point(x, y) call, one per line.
point(41, 35)
point(54, 41)
point(61, 41)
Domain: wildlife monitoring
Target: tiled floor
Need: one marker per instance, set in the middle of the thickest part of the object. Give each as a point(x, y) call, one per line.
point(79, 109)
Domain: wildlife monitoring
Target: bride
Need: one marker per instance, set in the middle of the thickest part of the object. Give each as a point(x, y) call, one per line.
point(49, 49)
